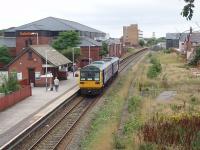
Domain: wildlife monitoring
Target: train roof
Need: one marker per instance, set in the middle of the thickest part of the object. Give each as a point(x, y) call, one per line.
point(101, 65)
point(112, 59)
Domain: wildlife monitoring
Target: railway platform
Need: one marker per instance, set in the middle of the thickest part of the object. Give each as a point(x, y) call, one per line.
point(24, 114)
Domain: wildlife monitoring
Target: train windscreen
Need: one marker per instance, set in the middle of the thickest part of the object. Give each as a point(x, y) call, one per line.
point(89, 76)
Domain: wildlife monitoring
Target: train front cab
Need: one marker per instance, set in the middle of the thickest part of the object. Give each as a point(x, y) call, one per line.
point(91, 80)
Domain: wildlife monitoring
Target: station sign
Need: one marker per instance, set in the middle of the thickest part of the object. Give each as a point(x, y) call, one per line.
point(25, 33)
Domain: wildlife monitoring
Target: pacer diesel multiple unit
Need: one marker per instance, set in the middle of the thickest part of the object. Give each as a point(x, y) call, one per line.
point(96, 75)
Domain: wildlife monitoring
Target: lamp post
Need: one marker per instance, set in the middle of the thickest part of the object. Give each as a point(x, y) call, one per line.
point(35, 33)
point(46, 57)
point(90, 53)
point(46, 69)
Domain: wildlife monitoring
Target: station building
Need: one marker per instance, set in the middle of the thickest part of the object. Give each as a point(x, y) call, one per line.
point(38, 63)
point(44, 31)
point(28, 44)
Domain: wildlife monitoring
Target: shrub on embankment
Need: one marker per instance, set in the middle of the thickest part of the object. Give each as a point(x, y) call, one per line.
point(181, 131)
point(155, 69)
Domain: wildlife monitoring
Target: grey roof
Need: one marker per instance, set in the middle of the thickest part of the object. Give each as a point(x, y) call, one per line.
point(85, 41)
point(54, 24)
point(178, 36)
point(113, 41)
point(8, 41)
point(53, 56)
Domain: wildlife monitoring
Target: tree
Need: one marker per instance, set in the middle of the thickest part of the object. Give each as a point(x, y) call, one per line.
point(1, 32)
point(141, 43)
point(68, 53)
point(66, 40)
point(104, 50)
point(65, 43)
point(4, 55)
point(152, 41)
point(188, 11)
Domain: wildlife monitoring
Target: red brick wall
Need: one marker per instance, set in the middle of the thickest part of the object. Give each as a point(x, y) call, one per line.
point(15, 97)
point(12, 51)
point(94, 52)
point(115, 50)
point(23, 63)
point(20, 41)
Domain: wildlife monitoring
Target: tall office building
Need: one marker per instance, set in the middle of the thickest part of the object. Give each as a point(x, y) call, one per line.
point(131, 35)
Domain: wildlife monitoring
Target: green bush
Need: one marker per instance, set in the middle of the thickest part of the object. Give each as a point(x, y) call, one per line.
point(150, 55)
point(196, 58)
point(152, 72)
point(141, 42)
point(10, 84)
point(153, 60)
point(155, 69)
point(167, 51)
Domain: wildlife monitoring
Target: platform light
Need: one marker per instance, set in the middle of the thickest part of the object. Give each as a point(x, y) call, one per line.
point(46, 51)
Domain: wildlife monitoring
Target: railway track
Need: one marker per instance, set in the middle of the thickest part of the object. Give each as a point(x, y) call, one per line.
point(56, 132)
point(53, 137)
point(125, 63)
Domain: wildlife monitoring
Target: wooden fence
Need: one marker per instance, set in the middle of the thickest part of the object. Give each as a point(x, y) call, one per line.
point(14, 97)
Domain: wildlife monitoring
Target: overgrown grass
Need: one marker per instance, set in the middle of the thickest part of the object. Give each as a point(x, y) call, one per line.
point(145, 111)
point(186, 101)
point(133, 103)
point(182, 131)
point(109, 113)
point(119, 142)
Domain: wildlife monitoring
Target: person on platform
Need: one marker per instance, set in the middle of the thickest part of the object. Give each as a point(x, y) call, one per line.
point(56, 84)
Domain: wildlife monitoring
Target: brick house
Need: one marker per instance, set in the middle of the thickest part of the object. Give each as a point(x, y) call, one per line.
point(30, 64)
point(89, 50)
point(114, 47)
point(43, 31)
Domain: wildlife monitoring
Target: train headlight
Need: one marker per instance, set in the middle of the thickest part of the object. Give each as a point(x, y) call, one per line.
point(81, 82)
point(97, 82)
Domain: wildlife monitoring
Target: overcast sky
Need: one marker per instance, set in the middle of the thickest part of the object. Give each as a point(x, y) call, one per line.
point(159, 16)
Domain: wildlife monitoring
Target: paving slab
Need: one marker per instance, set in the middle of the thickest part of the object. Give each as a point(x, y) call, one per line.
point(12, 116)
point(166, 95)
